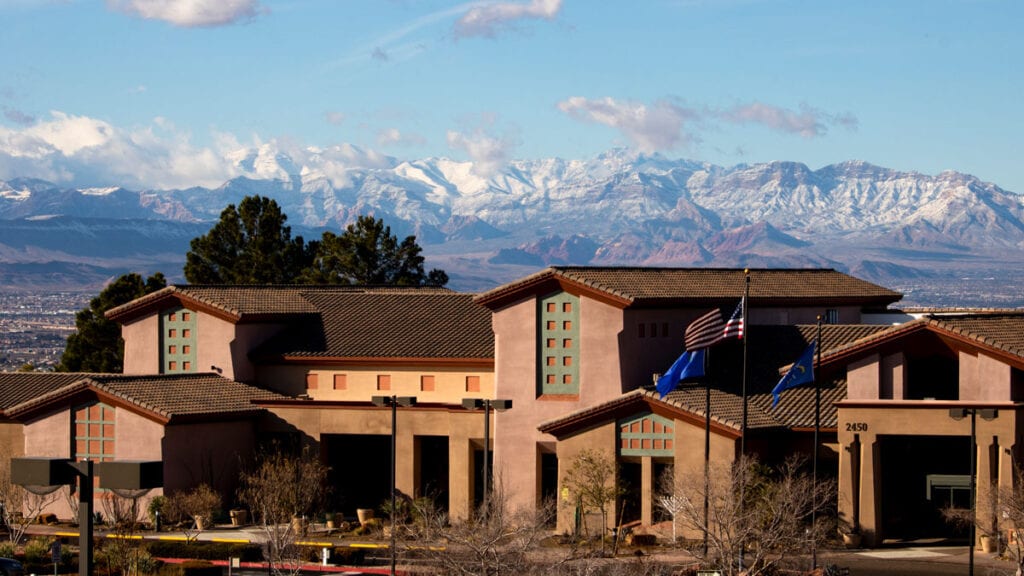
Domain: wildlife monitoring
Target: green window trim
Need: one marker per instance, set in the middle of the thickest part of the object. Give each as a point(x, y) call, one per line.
point(177, 341)
point(558, 344)
point(94, 431)
point(646, 434)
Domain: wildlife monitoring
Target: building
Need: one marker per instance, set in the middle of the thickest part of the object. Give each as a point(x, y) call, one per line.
point(202, 426)
point(576, 350)
point(905, 423)
point(577, 346)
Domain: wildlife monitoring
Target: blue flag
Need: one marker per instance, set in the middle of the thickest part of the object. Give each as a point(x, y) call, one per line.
point(689, 365)
point(801, 372)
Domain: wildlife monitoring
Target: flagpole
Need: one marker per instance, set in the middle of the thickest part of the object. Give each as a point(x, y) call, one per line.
point(817, 430)
point(746, 334)
point(707, 450)
point(743, 390)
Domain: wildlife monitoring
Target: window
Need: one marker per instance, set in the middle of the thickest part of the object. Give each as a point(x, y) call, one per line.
point(641, 329)
point(340, 381)
point(94, 432)
point(831, 316)
point(427, 383)
point(646, 435)
point(178, 338)
point(383, 382)
point(312, 381)
point(472, 383)
point(558, 332)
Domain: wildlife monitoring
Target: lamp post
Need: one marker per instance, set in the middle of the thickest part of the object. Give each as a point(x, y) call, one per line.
point(487, 405)
point(394, 402)
point(960, 414)
point(50, 473)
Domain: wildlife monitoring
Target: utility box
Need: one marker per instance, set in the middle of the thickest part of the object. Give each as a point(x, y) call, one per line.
point(42, 471)
point(130, 475)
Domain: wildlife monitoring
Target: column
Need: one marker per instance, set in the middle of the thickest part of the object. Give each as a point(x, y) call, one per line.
point(460, 477)
point(646, 491)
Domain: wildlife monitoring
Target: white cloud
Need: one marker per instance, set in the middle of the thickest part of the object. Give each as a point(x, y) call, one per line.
point(83, 151)
point(486, 19)
point(807, 122)
point(335, 118)
point(88, 151)
point(394, 137)
point(489, 153)
point(190, 13)
point(665, 125)
point(650, 128)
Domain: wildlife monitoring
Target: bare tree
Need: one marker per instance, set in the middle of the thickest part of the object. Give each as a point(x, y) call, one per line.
point(19, 506)
point(669, 499)
point(592, 479)
point(775, 513)
point(281, 487)
point(122, 549)
point(193, 508)
point(494, 540)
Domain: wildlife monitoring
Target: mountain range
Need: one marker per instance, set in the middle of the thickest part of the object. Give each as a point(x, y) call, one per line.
point(946, 239)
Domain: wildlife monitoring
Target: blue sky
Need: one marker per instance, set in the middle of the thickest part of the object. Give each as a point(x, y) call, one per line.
point(147, 93)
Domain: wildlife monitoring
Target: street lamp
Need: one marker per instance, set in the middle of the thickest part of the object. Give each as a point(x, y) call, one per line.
point(394, 402)
point(960, 414)
point(487, 405)
point(40, 474)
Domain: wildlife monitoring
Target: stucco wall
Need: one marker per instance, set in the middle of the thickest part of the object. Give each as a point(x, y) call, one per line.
point(207, 452)
point(142, 345)
point(463, 428)
point(360, 382)
point(49, 435)
point(600, 438)
point(862, 379)
point(12, 439)
point(137, 437)
point(515, 448)
point(983, 378)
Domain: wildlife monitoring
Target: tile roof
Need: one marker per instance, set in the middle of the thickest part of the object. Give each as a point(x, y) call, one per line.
point(19, 387)
point(769, 349)
point(390, 324)
point(1000, 331)
point(344, 321)
point(257, 301)
point(169, 396)
point(651, 285)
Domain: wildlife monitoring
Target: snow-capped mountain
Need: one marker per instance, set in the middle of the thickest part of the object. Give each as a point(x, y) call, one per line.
point(617, 208)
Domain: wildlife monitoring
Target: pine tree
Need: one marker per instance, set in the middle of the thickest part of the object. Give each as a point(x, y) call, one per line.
point(367, 253)
point(96, 344)
point(249, 245)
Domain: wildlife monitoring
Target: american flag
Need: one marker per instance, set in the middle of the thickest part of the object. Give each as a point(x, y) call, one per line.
point(705, 331)
point(734, 326)
point(709, 329)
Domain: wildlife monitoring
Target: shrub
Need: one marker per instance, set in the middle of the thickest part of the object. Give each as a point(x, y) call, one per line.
point(346, 556)
point(205, 550)
point(37, 551)
point(7, 550)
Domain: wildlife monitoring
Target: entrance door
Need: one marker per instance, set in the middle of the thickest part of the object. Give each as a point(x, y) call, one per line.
point(920, 477)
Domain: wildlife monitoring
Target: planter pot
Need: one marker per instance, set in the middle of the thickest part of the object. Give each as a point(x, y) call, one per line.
point(201, 523)
point(298, 525)
point(334, 521)
point(989, 544)
point(364, 515)
point(239, 517)
point(851, 540)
